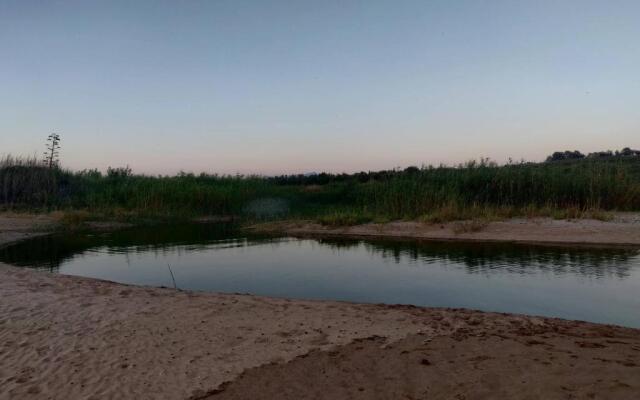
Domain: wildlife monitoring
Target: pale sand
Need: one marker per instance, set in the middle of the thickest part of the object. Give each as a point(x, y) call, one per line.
point(64, 337)
point(624, 229)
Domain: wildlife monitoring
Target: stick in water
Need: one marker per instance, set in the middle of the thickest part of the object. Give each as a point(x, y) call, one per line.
point(172, 278)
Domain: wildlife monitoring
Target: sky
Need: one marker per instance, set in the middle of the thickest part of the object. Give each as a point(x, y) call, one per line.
point(272, 87)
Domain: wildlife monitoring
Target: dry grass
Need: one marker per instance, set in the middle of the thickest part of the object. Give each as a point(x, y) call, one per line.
point(472, 226)
point(343, 218)
point(74, 219)
point(568, 213)
point(453, 213)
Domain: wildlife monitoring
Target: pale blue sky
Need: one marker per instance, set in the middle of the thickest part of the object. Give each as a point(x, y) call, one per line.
point(296, 86)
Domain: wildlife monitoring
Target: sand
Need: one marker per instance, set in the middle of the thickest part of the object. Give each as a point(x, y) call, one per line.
point(14, 227)
point(64, 337)
point(623, 230)
point(485, 361)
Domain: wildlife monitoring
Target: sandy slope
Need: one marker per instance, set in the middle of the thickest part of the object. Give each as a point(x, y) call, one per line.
point(623, 230)
point(64, 337)
point(485, 361)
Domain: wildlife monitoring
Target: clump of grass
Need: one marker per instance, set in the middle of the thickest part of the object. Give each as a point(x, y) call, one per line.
point(344, 218)
point(444, 214)
point(452, 212)
point(569, 213)
point(599, 215)
point(381, 219)
point(472, 226)
point(73, 220)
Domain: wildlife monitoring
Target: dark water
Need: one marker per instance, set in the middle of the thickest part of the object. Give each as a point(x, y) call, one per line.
point(576, 283)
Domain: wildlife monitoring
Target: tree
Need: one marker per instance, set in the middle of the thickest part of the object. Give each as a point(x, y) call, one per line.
point(53, 146)
point(626, 152)
point(566, 155)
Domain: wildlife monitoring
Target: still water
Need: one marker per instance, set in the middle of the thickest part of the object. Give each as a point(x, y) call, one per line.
point(600, 285)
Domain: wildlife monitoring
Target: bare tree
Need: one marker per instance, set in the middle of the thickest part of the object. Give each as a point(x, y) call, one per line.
point(53, 146)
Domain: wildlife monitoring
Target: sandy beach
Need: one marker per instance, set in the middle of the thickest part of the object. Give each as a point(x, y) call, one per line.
point(64, 337)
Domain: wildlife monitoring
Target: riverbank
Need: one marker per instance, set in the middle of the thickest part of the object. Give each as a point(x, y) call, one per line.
point(14, 227)
point(622, 230)
point(65, 337)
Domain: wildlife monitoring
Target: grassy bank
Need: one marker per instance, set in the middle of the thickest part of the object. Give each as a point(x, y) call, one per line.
point(570, 188)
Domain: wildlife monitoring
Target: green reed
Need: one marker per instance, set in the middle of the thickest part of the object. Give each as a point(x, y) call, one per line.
point(430, 193)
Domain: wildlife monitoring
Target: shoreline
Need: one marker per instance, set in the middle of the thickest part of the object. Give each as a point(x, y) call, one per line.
point(67, 337)
point(623, 231)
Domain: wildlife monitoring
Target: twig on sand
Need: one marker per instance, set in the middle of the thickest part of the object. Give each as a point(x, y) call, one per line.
point(172, 277)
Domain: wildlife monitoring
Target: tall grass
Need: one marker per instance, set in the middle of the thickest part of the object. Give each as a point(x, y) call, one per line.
point(432, 193)
point(25, 181)
point(584, 184)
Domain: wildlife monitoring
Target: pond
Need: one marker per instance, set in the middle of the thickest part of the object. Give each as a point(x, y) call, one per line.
point(599, 285)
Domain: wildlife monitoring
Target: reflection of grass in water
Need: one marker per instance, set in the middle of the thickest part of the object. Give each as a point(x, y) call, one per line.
point(504, 257)
point(50, 252)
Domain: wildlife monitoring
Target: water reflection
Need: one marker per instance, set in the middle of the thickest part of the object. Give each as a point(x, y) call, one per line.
point(485, 258)
point(598, 285)
point(50, 252)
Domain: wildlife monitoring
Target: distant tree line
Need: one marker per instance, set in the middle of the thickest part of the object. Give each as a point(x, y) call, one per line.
point(385, 175)
point(576, 155)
